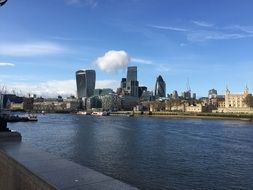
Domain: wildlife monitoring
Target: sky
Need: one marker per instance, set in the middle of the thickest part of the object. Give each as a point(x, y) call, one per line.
point(206, 42)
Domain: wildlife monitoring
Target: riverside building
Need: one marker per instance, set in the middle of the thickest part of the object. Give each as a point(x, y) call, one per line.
point(212, 93)
point(234, 103)
point(85, 82)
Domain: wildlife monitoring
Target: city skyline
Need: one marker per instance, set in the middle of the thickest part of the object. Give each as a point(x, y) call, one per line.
point(175, 39)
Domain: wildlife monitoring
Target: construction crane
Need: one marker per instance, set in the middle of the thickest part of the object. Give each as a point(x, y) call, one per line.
point(188, 88)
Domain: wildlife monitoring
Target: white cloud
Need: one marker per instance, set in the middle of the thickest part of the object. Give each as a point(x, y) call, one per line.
point(113, 61)
point(163, 68)
point(30, 49)
point(247, 29)
point(202, 23)
point(47, 89)
point(7, 64)
point(169, 28)
point(142, 61)
point(183, 44)
point(72, 1)
point(56, 87)
point(200, 36)
point(91, 3)
point(210, 32)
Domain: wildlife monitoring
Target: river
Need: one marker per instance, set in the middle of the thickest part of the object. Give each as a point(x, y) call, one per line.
point(151, 152)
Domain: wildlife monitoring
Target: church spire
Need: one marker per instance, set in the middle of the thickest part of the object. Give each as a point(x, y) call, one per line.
point(246, 91)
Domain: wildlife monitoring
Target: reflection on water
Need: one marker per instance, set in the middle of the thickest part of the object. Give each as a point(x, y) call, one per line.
point(151, 153)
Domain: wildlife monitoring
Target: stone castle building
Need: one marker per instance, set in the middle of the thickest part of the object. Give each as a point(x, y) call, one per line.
point(234, 103)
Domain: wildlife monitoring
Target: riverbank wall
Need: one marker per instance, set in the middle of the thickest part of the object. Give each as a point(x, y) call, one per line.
point(230, 116)
point(24, 167)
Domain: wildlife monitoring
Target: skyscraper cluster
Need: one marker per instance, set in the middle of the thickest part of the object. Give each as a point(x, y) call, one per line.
point(127, 96)
point(130, 85)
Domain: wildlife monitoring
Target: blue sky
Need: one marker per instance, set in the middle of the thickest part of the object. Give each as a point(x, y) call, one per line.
point(43, 43)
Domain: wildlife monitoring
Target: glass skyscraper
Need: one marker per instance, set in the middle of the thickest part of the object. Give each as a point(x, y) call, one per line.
point(160, 87)
point(85, 82)
point(132, 73)
point(132, 85)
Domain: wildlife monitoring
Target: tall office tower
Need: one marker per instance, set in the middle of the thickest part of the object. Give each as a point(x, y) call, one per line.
point(160, 87)
point(85, 82)
point(187, 95)
point(132, 85)
point(174, 95)
point(123, 83)
point(132, 88)
point(132, 73)
point(194, 96)
point(142, 89)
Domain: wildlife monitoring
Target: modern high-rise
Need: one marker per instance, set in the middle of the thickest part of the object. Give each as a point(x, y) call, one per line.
point(174, 95)
point(123, 83)
point(160, 87)
point(132, 85)
point(129, 86)
point(132, 73)
point(85, 82)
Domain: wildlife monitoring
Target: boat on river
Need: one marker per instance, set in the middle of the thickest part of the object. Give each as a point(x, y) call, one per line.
point(24, 118)
point(32, 117)
point(83, 113)
point(100, 113)
point(245, 119)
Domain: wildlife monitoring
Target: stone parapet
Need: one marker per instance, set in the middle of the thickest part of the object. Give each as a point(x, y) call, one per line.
point(10, 136)
point(24, 167)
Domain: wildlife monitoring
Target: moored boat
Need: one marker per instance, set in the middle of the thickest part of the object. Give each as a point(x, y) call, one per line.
point(245, 119)
point(32, 117)
point(100, 113)
point(83, 113)
point(24, 118)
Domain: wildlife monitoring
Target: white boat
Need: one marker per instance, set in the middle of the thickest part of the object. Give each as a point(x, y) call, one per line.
point(83, 113)
point(32, 117)
point(245, 119)
point(26, 117)
point(100, 113)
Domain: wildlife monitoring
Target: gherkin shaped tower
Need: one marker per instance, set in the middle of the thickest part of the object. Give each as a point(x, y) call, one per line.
point(160, 87)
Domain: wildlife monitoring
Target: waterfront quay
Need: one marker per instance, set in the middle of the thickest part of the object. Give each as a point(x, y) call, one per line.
point(229, 116)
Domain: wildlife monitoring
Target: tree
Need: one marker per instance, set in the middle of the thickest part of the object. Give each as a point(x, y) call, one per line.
point(171, 103)
point(248, 100)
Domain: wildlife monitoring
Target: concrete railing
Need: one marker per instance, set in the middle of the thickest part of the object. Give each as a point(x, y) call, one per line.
point(23, 167)
point(14, 175)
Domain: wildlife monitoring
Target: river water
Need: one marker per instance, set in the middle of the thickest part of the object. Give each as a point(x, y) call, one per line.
point(150, 152)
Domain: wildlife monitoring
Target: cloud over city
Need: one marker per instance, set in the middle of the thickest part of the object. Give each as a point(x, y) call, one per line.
point(53, 88)
point(202, 23)
point(30, 49)
point(113, 61)
point(91, 3)
point(3, 64)
point(141, 61)
point(202, 31)
point(178, 29)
